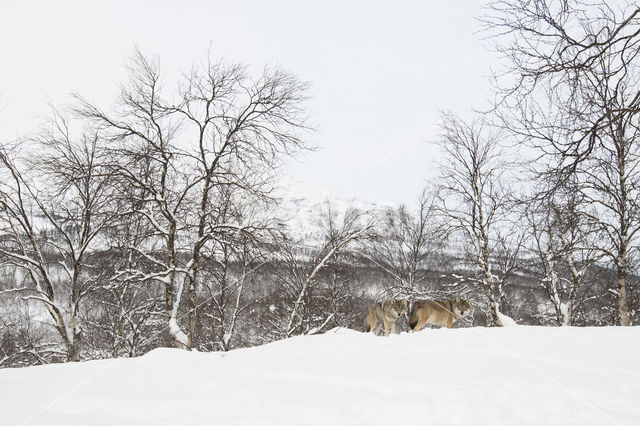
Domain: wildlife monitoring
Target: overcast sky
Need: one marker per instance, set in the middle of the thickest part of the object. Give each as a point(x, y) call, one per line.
point(379, 72)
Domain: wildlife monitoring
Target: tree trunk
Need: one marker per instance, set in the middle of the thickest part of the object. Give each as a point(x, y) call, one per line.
point(192, 310)
point(491, 292)
point(493, 306)
point(622, 292)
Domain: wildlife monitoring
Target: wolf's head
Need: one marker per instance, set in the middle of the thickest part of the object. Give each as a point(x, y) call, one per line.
point(461, 307)
point(397, 306)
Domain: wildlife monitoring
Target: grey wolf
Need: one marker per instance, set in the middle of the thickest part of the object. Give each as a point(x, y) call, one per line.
point(386, 314)
point(438, 312)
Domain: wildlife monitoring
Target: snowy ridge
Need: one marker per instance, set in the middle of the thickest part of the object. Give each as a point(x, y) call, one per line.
point(509, 376)
point(303, 215)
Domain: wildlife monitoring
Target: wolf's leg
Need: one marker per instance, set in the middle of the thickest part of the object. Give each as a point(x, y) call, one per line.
point(371, 322)
point(376, 328)
point(449, 321)
point(393, 327)
point(386, 327)
point(414, 322)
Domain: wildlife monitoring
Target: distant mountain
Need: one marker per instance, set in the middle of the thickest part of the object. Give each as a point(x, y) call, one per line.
point(303, 216)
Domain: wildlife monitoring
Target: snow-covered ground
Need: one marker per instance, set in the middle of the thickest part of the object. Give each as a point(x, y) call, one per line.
point(473, 376)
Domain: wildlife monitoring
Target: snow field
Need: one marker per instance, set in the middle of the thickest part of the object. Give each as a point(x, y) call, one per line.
point(479, 376)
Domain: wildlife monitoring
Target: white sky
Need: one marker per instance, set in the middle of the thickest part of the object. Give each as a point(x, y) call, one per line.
point(379, 72)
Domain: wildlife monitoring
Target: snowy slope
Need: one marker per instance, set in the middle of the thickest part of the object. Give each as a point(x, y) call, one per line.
point(304, 215)
point(510, 376)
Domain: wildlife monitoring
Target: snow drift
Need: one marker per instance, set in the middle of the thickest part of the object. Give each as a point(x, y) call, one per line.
point(509, 376)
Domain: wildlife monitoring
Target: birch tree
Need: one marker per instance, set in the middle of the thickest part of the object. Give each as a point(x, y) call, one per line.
point(124, 312)
point(52, 212)
point(472, 196)
point(302, 268)
point(611, 185)
point(234, 261)
point(409, 246)
point(575, 97)
point(220, 127)
point(563, 244)
point(551, 49)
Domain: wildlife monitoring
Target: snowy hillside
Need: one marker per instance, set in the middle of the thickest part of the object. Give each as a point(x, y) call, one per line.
point(510, 376)
point(304, 215)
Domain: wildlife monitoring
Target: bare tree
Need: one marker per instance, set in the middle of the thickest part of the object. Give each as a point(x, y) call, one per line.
point(302, 266)
point(473, 196)
point(123, 314)
point(231, 266)
point(24, 341)
point(563, 244)
point(52, 212)
point(409, 247)
point(552, 47)
point(221, 128)
point(576, 98)
point(610, 183)
point(340, 301)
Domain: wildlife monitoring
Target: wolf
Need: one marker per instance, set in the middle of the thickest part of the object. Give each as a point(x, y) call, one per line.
point(384, 314)
point(438, 312)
